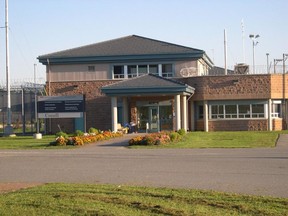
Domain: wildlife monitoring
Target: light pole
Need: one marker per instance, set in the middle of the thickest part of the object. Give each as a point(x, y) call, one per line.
point(254, 43)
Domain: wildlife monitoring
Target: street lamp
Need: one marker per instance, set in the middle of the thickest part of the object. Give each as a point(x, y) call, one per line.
point(254, 43)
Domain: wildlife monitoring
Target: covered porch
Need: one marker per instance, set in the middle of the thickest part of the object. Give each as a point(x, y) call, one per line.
point(150, 102)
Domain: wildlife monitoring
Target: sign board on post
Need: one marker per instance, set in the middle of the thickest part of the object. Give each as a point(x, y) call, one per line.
point(61, 106)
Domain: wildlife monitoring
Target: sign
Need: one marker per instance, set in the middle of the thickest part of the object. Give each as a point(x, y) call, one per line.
point(61, 106)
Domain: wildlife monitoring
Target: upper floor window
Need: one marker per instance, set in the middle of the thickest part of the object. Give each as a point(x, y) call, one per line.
point(91, 68)
point(118, 71)
point(167, 70)
point(130, 71)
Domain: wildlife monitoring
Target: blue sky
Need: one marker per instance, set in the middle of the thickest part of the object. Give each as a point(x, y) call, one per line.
point(39, 27)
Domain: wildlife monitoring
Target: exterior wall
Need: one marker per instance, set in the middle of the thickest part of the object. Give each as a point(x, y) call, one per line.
point(239, 125)
point(78, 72)
point(240, 87)
point(279, 86)
point(277, 124)
point(190, 65)
point(234, 125)
point(233, 87)
point(98, 106)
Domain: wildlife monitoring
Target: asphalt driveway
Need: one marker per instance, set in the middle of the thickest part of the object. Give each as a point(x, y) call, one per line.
point(261, 171)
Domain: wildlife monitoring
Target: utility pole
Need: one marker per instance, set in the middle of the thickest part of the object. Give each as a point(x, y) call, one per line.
point(8, 130)
point(225, 51)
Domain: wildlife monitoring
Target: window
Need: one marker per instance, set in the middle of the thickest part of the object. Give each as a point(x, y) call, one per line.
point(257, 111)
point(132, 71)
point(153, 69)
point(230, 111)
point(91, 68)
point(200, 111)
point(118, 72)
point(167, 70)
point(244, 111)
point(217, 111)
point(236, 111)
point(276, 110)
point(142, 69)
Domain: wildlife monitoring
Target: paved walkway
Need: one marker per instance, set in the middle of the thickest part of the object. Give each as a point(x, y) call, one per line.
point(282, 141)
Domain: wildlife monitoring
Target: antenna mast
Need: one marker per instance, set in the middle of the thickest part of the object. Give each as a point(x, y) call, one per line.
point(243, 40)
point(225, 51)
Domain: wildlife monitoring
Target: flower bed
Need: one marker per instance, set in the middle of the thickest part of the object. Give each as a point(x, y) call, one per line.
point(160, 138)
point(86, 138)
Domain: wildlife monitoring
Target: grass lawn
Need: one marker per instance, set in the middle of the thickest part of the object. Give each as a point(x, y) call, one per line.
point(80, 199)
point(28, 142)
point(239, 139)
point(243, 139)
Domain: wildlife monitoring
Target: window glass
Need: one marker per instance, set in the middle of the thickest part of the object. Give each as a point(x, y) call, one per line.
point(200, 112)
point(118, 72)
point(231, 111)
point(142, 69)
point(132, 71)
point(153, 69)
point(244, 111)
point(91, 68)
point(217, 111)
point(257, 110)
point(167, 70)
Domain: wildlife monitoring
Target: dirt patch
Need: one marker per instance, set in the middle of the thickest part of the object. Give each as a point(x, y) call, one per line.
point(9, 187)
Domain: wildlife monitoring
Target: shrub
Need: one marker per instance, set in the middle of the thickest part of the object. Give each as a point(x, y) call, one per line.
point(174, 136)
point(136, 141)
point(78, 133)
point(93, 131)
point(182, 132)
point(62, 134)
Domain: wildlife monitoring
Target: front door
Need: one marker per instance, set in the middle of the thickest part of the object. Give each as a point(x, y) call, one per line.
point(153, 119)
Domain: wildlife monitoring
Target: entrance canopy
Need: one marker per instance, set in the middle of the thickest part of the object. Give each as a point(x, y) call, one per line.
point(154, 111)
point(148, 84)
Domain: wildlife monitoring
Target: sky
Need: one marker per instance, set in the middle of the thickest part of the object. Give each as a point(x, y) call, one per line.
point(38, 27)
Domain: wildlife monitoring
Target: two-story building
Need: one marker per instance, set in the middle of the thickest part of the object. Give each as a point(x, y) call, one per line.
point(161, 86)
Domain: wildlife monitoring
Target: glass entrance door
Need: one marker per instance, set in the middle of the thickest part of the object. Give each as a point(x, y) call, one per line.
point(153, 119)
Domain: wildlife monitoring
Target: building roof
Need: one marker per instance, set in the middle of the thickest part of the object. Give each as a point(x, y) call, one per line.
point(147, 84)
point(129, 47)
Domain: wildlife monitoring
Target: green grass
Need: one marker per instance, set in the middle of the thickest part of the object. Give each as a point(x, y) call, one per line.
point(28, 142)
point(243, 139)
point(239, 139)
point(80, 199)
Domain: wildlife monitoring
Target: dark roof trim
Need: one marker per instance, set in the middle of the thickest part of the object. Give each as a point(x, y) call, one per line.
point(147, 84)
point(123, 58)
point(186, 90)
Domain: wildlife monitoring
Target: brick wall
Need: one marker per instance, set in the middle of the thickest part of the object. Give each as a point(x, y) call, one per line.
point(98, 106)
point(277, 124)
point(230, 87)
point(234, 125)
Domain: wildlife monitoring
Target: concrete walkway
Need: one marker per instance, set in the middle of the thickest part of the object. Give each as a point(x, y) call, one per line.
point(282, 141)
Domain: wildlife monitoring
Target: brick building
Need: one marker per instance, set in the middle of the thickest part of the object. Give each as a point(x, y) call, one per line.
point(161, 86)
